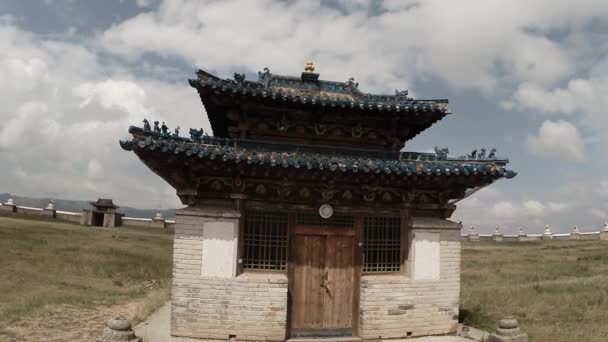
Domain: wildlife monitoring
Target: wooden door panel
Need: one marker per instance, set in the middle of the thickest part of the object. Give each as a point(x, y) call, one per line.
point(308, 295)
point(340, 271)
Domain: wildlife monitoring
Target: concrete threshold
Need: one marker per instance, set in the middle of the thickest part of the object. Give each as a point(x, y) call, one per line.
point(325, 339)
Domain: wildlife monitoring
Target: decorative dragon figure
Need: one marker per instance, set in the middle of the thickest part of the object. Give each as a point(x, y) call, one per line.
point(164, 129)
point(482, 154)
point(351, 83)
point(176, 132)
point(156, 128)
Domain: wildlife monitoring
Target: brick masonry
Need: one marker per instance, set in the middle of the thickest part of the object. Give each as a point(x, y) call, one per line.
point(254, 306)
point(249, 307)
point(394, 306)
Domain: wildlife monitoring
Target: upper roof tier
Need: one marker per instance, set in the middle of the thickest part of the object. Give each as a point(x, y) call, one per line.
point(308, 110)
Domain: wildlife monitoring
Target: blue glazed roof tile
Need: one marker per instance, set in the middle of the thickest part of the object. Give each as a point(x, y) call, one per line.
point(408, 164)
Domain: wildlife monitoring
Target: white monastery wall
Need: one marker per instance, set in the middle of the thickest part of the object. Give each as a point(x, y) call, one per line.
point(78, 217)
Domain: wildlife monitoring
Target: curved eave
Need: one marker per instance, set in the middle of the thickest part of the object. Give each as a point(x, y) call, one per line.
point(311, 161)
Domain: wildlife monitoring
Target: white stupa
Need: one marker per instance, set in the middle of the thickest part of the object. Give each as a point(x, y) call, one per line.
point(521, 231)
point(547, 230)
point(497, 231)
point(51, 205)
point(158, 216)
point(575, 230)
point(605, 226)
point(11, 200)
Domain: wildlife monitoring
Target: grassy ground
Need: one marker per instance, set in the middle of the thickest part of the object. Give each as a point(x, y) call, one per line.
point(60, 281)
point(557, 290)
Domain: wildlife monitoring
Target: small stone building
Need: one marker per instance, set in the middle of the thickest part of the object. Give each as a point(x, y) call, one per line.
point(304, 218)
point(103, 214)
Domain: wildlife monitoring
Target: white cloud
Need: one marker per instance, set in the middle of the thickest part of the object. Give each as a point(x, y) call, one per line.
point(283, 35)
point(505, 210)
point(144, 3)
point(535, 208)
point(62, 114)
point(559, 139)
point(600, 214)
point(124, 95)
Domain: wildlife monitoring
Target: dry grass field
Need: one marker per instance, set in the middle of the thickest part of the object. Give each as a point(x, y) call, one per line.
point(61, 282)
point(557, 290)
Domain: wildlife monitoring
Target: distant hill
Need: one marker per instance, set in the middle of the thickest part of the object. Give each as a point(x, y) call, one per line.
point(77, 206)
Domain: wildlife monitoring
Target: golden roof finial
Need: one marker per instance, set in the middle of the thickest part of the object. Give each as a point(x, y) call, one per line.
point(309, 67)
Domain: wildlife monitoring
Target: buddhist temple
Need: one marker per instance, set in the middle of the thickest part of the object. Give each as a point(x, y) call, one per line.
point(304, 215)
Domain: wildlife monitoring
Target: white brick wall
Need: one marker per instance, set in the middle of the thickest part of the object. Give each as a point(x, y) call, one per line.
point(250, 306)
point(254, 306)
point(393, 305)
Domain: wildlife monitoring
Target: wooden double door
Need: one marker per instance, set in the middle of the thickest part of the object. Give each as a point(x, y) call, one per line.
point(324, 282)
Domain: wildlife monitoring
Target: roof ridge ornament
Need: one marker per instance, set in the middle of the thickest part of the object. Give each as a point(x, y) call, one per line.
point(264, 77)
point(239, 78)
point(352, 84)
point(402, 95)
point(309, 74)
point(442, 153)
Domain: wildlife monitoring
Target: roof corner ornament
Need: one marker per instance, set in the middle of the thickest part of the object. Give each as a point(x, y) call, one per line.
point(264, 77)
point(126, 145)
point(442, 153)
point(147, 125)
point(176, 132)
point(352, 84)
point(482, 154)
point(156, 128)
point(239, 78)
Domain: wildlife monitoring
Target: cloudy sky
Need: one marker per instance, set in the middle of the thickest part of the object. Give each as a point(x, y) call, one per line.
point(527, 77)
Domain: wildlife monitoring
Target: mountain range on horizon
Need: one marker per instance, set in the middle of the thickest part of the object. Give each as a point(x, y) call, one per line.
point(79, 205)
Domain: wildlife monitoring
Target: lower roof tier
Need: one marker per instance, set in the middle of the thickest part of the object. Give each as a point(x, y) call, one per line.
point(211, 167)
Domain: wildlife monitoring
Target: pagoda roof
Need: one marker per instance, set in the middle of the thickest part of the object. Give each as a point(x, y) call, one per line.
point(105, 203)
point(336, 160)
point(308, 90)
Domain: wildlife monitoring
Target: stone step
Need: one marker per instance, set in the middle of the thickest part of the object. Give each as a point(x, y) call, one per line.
point(325, 339)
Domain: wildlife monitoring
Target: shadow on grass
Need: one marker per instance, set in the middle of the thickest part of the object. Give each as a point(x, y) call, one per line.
point(474, 317)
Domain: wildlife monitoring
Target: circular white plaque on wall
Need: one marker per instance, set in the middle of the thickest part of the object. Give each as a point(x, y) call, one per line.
point(325, 211)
